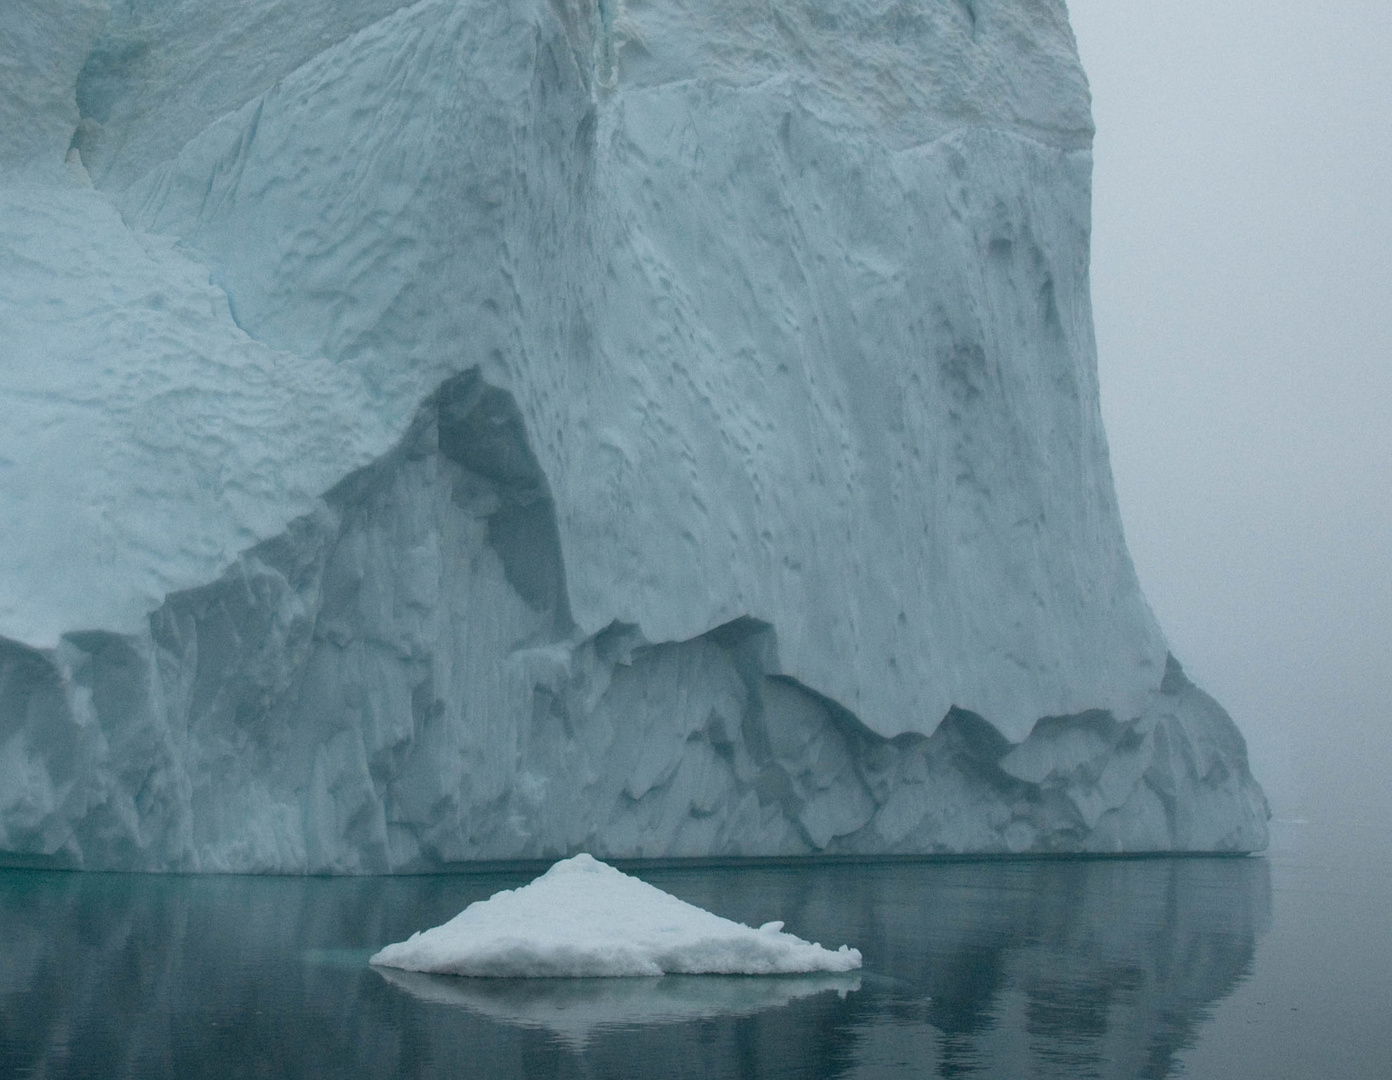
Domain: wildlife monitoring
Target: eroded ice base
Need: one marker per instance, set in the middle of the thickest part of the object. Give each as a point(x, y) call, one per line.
point(583, 918)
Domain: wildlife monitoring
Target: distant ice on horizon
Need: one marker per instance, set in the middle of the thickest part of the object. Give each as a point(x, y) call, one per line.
point(583, 918)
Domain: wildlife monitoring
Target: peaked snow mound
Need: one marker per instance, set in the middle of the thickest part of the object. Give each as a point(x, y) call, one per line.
point(583, 918)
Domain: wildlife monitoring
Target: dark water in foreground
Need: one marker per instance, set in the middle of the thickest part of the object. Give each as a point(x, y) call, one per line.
point(1233, 968)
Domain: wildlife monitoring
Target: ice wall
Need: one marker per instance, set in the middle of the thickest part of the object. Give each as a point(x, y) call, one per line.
point(494, 429)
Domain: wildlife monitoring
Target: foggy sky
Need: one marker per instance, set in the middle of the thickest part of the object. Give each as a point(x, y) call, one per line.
point(1242, 288)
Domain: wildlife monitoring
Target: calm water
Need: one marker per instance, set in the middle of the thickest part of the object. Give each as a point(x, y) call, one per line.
point(1272, 967)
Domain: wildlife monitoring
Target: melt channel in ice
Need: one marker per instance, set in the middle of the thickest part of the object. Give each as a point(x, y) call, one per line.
point(583, 918)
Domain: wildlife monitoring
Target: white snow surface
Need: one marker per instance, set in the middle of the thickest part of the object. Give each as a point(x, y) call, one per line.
point(583, 918)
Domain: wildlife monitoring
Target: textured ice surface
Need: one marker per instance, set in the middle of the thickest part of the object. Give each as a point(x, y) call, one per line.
point(778, 356)
point(583, 918)
point(147, 440)
point(503, 429)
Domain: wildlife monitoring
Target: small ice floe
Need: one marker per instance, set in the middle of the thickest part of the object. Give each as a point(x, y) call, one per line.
point(583, 918)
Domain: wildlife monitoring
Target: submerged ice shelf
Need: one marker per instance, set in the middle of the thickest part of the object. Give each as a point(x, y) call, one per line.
point(583, 918)
point(496, 430)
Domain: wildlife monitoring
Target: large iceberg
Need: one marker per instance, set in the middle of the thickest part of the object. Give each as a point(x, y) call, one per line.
point(502, 429)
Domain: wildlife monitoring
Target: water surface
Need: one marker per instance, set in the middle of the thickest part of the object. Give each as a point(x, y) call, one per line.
point(1072, 968)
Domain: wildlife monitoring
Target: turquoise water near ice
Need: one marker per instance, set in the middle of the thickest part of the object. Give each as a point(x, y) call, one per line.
point(1226, 967)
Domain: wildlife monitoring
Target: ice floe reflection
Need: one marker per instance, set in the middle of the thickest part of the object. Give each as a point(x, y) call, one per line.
point(577, 1009)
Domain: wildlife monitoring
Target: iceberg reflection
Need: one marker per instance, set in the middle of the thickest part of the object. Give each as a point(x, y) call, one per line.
point(575, 1010)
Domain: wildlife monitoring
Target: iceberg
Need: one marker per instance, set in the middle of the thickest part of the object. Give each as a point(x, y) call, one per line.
point(496, 430)
point(583, 918)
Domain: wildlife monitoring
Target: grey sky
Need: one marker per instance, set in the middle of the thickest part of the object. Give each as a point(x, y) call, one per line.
point(1242, 285)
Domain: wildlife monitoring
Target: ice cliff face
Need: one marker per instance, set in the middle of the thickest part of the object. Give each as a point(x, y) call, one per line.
point(478, 430)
